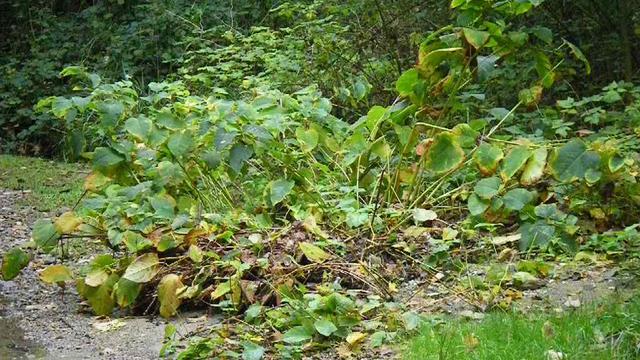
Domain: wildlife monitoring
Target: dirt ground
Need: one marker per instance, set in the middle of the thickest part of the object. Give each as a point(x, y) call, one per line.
point(36, 322)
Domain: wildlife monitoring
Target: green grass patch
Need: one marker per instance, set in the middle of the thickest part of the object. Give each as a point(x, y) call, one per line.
point(50, 184)
point(607, 331)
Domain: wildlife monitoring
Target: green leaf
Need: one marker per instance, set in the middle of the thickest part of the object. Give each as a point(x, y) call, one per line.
point(100, 297)
point(180, 144)
point(534, 168)
point(105, 160)
point(13, 261)
point(535, 235)
point(143, 268)
point(238, 155)
point(308, 138)
point(96, 277)
point(487, 158)
point(195, 254)
point(168, 295)
point(411, 320)
point(406, 82)
point(126, 292)
point(514, 161)
point(222, 289)
point(56, 274)
point(252, 351)
point(135, 242)
point(45, 235)
point(577, 53)
point(488, 188)
point(139, 127)
point(572, 161)
point(164, 205)
point(476, 38)
point(516, 199)
point(325, 327)
point(615, 163)
point(476, 205)
point(279, 190)
point(445, 154)
point(313, 252)
point(296, 335)
point(166, 119)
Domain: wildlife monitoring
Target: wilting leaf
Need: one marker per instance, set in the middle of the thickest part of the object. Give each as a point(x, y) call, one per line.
point(143, 268)
point(325, 327)
point(96, 278)
point(534, 168)
point(67, 223)
point(168, 295)
point(221, 290)
point(487, 158)
point(422, 215)
point(279, 190)
point(313, 252)
point(297, 334)
point(13, 261)
point(355, 338)
point(487, 188)
point(514, 160)
point(56, 274)
point(99, 297)
point(572, 161)
point(195, 254)
point(445, 153)
point(45, 235)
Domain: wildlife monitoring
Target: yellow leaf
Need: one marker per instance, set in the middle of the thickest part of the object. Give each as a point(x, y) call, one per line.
point(313, 252)
point(355, 338)
point(168, 295)
point(67, 223)
point(56, 274)
point(221, 290)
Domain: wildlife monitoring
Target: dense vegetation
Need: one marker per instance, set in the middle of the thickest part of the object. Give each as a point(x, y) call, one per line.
point(293, 163)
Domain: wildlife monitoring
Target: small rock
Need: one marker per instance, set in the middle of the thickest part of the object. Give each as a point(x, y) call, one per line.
point(574, 303)
point(554, 355)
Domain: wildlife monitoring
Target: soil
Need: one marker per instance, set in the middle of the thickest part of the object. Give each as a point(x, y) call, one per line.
point(38, 322)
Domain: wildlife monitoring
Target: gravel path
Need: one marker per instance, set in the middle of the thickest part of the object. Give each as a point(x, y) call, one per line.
point(36, 323)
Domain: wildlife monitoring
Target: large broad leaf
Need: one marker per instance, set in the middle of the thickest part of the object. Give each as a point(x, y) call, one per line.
point(476, 205)
point(406, 82)
point(164, 205)
point(100, 298)
point(488, 188)
point(534, 168)
point(476, 38)
point(514, 161)
point(487, 158)
point(126, 292)
point(571, 161)
point(105, 160)
point(67, 223)
point(140, 127)
point(313, 252)
point(297, 334)
point(279, 189)
point(307, 138)
point(516, 199)
point(45, 235)
point(143, 268)
point(445, 154)
point(168, 295)
point(180, 144)
point(56, 274)
point(252, 351)
point(13, 261)
point(325, 327)
point(238, 155)
point(535, 235)
point(96, 277)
